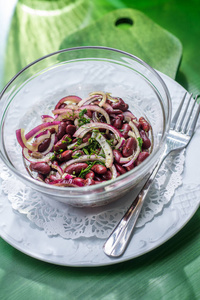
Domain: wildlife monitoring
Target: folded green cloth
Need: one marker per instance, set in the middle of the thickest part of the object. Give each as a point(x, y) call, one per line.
point(131, 31)
point(42, 27)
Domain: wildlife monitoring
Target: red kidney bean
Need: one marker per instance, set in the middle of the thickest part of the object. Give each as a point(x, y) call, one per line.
point(117, 155)
point(144, 124)
point(120, 116)
point(98, 179)
point(52, 177)
point(107, 175)
point(89, 181)
point(89, 113)
point(63, 143)
point(141, 157)
point(120, 104)
point(99, 169)
point(70, 129)
point(86, 137)
point(52, 130)
point(117, 123)
point(40, 167)
point(120, 169)
point(79, 181)
point(146, 141)
point(61, 130)
point(68, 122)
point(65, 156)
point(125, 129)
point(115, 112)
point(76, 168)
point(90, 175)
point(130, 167)
point(44, 145)
point(112, 112)
point(129, 147)
point(47, 180)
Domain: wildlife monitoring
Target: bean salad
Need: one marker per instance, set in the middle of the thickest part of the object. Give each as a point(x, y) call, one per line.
point(86, 141)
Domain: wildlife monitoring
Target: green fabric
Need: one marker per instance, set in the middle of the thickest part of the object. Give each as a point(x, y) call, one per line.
point(173, 270)
point(169, 272)
point(143, 38)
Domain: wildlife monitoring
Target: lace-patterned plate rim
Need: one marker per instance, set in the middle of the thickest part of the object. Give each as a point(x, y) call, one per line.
point(87, 252)
point(72, 223)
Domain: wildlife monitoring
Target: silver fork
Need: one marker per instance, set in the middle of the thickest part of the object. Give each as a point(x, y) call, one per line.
point(180, 134)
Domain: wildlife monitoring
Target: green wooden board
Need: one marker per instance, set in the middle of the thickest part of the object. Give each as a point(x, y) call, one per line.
point(131, 31)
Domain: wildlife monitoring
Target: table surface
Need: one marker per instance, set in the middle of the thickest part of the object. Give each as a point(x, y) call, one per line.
point(171, 271)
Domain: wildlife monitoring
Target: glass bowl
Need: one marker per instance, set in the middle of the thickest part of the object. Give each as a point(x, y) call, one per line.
point(78, 71)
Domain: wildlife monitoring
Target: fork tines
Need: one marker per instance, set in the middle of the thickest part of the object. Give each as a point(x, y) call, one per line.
point(185, 121)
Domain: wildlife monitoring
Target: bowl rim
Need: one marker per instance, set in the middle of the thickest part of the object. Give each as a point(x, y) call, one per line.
point(108, 182)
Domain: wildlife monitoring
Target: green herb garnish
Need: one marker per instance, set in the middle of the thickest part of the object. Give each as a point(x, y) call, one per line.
point(90, 165)
point(82, 120)
point(79, 141)
point(53, 157)
point(110, 142)
point(68, 139)
point(82, 112)
point(140, 142)
point(77, 155)
point(86, 151)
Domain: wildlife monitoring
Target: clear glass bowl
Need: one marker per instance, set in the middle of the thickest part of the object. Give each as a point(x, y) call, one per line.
point(37, 88)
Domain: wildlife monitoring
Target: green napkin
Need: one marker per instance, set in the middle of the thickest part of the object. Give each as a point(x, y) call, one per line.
point(131, 31)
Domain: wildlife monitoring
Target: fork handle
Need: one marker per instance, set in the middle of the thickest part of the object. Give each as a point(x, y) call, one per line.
point(117, 242)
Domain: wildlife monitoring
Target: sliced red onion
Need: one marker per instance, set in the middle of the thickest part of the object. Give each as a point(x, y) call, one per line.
point(95, 117)
point(67, 176)
point(121, 143)
point(35, 131)
point(113, 171)
point(76, 146)
point(134, 128)
point(19, 133)
point(71, 98)
point(106, 148)
point(21, 138)
point(103, 101)
point(41, 137)
point(60, 111)
point(82, 159)
point(47, 118)
point(67, 115)
point(41, 133)
point(88, 127)
point(99, 110)
point(113, 99)
point(51, 144)
point(89, 100)
point(130, 159)
point(31, 159)
point(66, 182)
point(57, 168)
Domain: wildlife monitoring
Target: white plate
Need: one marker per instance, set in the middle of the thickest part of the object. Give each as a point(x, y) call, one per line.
point(18, 231)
